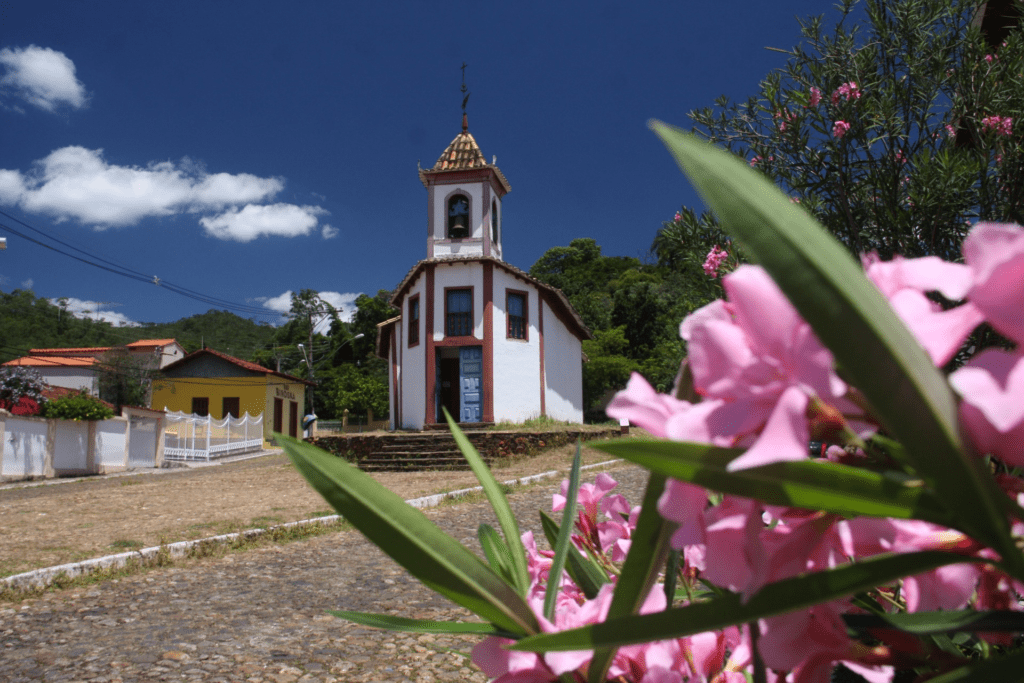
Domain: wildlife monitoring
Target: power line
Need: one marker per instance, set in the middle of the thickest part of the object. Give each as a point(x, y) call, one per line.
point(91, 259)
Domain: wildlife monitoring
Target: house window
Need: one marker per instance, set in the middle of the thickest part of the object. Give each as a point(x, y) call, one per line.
point(200, 406)
point(458, 216)
point(414, 321)
point(494, 222)
point(458, 312)
point(515, 305)
point(230, 406)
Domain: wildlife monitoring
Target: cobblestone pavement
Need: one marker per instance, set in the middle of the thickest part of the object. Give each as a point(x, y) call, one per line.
point(257, 616)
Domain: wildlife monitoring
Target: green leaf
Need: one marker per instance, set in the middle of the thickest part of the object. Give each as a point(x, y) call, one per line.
point(583, 570)
point(1008, 669)
point(410, 539)
point(564, 540)
point(728, 609)
point(852, 318)
point(926, 623)
point(497, 553)
point(648, 550)
point(393, 623)
point(811, 484)
point(499, 503)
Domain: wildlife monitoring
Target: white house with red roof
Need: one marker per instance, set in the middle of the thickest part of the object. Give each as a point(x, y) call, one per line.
point(76, 368)
point(475, 334)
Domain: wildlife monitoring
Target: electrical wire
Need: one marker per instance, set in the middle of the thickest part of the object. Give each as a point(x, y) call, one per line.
point(91, 259)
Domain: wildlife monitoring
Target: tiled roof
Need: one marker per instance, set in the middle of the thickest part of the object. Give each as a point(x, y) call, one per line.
point(151, 342)
point(463, 154)
point(244, 364)
point(53, 361)
point(80, 351)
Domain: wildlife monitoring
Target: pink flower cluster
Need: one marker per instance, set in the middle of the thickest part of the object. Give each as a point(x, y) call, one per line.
point(1001, 125)
point(840, 128)
point(714, 260)
point(814, 98)
point(766, 383)
point(784, 118)
point(846, 92)
point(678, 217)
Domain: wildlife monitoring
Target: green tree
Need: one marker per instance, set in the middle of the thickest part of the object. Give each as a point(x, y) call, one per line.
point(897, 128)
point(125, 379)
point(607, 368)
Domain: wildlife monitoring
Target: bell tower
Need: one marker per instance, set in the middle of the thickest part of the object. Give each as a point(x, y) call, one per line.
point(464, 195)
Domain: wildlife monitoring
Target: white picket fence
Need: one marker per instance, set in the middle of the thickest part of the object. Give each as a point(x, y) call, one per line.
point(197, 437)
point(39, 447)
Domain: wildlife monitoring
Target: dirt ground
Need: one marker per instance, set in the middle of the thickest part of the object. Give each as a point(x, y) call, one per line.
point(46, 525)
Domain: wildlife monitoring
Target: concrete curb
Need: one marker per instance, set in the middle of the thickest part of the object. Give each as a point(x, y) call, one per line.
point(42, 578)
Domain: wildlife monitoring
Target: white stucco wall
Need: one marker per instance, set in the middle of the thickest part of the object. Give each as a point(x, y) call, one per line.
point(413, 362)
point(77, 378)
point(459, 275)
point(563, 367)
point(516, 361)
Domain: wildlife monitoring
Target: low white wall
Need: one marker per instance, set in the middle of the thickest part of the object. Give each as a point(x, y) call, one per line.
point(32, 447)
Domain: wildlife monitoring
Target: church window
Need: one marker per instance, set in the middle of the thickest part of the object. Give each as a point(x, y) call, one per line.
point(458, 313)
point(458, 216)
point(414, 320)
point(515, 305)
point(494, 222)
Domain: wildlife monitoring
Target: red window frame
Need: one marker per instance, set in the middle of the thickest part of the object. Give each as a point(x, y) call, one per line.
point(521, 331)
point(414, 320)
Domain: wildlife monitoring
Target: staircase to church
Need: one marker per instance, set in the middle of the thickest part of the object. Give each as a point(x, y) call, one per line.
point(424, 451)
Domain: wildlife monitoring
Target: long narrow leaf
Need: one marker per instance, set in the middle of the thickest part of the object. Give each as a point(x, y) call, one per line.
point(812, 484)
point(648, 550)
point(393, 623)
point(582, 569)
point(496, 552)
point(1008, 669)
point(564, 539)
point(499, 503)
point(728, 609)
point(853, 319)
point(926, 623)
point(405, 534)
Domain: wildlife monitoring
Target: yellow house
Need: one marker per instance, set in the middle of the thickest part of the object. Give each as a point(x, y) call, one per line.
point(209, 382)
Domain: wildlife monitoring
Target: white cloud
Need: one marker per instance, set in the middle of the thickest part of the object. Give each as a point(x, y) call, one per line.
point(252, 221)
point(93, 310)
point(43, 77)
point(329, 231)
point(344, 303)
point(77, 183)
point(27, 284)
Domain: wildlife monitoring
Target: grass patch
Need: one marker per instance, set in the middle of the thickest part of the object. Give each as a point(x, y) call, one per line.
point(164, 558)
point(124, 544)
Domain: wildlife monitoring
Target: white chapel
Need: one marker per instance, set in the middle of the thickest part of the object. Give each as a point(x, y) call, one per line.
point(475, 334)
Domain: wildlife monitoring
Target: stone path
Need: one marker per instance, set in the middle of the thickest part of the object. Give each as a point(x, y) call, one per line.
point(257, 616)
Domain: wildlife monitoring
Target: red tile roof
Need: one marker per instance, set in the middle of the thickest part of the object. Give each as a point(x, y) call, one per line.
point(54, 361)
point(244, 364)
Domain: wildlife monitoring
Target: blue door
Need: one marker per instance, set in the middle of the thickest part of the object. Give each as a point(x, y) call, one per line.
point(471, 362)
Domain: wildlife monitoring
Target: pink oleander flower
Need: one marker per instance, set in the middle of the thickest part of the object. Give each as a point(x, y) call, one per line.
point(755, 161)
point(846, 92)
point(756, 364)
point(840, 128)
point(814, 99)
point(1000, 125)
point(950, 131)
point(989, 58)
point(714, 260)
point(678, 216)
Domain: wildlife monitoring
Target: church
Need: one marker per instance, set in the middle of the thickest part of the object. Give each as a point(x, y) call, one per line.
point(475, 334)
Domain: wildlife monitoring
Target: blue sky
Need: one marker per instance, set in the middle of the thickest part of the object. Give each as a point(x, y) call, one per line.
point(245, 150)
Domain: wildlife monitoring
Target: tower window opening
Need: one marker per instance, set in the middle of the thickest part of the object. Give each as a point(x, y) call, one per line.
point(458, 217)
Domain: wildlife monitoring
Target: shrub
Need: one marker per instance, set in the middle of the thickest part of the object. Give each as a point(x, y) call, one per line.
point(80, 406)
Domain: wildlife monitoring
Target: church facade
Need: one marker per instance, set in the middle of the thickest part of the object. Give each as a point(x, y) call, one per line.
point(475, 334)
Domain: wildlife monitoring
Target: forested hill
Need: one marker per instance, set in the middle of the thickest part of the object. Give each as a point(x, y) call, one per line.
point(28, 321)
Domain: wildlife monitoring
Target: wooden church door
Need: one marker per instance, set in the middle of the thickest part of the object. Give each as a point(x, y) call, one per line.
point(471, 383)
